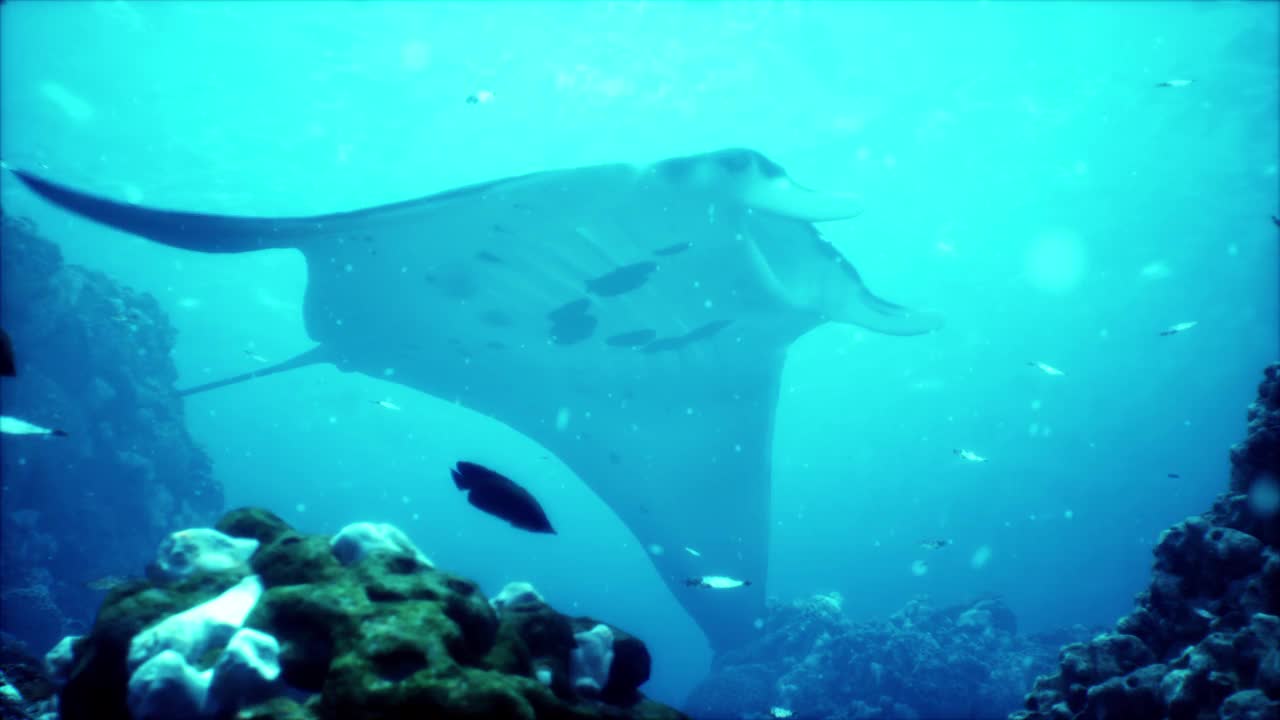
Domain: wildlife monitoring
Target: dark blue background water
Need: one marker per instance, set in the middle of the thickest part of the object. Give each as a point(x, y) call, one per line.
point(1020, 168)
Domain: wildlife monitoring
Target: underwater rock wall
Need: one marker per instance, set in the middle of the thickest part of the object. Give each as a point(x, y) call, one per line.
point(811, 661)
point(302, 628)
point(1204, 638)
point(93, 360)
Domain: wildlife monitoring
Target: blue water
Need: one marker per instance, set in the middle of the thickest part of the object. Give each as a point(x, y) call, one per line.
point(1020, 169)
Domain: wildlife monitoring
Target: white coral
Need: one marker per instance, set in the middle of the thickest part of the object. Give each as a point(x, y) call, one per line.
point(355, 541)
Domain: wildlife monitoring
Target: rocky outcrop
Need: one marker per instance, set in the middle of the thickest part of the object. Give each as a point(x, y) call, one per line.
point(26, 690)
point(308, 629)
point(92, 359)
point(924, 662)
point(1204, 638)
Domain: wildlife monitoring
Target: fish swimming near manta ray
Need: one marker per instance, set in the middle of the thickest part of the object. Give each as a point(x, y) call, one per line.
point(633, 319)
point(501, 497)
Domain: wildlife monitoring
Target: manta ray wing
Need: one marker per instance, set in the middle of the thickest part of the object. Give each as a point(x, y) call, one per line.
point(632, 319)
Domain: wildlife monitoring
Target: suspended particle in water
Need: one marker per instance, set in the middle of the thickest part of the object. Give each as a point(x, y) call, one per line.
point(980, 558)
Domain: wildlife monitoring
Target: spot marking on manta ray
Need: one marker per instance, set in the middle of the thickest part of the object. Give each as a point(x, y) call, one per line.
point(622, 280)
point(673, 249)
point(632, 339)
point(570, 323)
point(701, 332)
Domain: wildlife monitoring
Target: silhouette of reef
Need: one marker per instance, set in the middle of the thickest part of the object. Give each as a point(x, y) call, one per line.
point(358, 627)
point(964, 661)
point(26, 690)
point(1204, 639)
point(93, 359)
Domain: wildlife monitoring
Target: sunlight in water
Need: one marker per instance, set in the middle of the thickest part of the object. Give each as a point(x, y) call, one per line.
point(1055, 261)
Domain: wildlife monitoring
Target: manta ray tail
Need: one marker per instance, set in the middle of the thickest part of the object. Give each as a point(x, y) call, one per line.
point(318, 354)
point(186, 230)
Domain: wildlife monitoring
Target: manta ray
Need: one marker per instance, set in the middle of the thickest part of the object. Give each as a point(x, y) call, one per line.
point(633, 319)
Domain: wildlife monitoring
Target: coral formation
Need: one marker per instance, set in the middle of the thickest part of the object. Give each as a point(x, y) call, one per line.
point(295, 632)
point(201, 550)
point(355, 541)
point(93, 359)
point(26, 690)
point(1204, 638)
point(924, 662)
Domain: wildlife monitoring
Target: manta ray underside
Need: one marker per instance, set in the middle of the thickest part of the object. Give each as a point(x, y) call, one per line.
point(653, 303)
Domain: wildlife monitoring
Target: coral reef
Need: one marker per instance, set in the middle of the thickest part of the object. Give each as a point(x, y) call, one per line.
point(1204, 639)
point(352, 628)
point(924, 662)
point(26, 690)
point(92, 359)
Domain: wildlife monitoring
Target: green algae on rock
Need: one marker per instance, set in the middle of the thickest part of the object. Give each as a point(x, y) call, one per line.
point(386, 636)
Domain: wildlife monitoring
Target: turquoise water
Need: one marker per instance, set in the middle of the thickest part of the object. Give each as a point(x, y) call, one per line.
point(1020, 169)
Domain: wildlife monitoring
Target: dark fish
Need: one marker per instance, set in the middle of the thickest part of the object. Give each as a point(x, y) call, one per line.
point(499, 496)
point(7, 364)
point(935, 544)
point(1175, 476)
point(1275, 220)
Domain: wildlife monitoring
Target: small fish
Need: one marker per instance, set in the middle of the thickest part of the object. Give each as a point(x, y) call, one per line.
point(1179, 327)
point(1276, 220)
point(1046, 368)
point(1174, 83)
point(386, 404)
point(969, 455)
point(501, 497)
point(936, 544)
point(1203, 613)
point(716, 582)
point(16, 426)
point(693, 552)
point(780, 712)
point(106, 583)
point(255, 356)
point(1174, 476)
point(8, 366)
point(480, 97)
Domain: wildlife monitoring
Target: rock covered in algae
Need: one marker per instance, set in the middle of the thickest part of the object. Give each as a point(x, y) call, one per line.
point(385, 636)
point(1204, 639)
